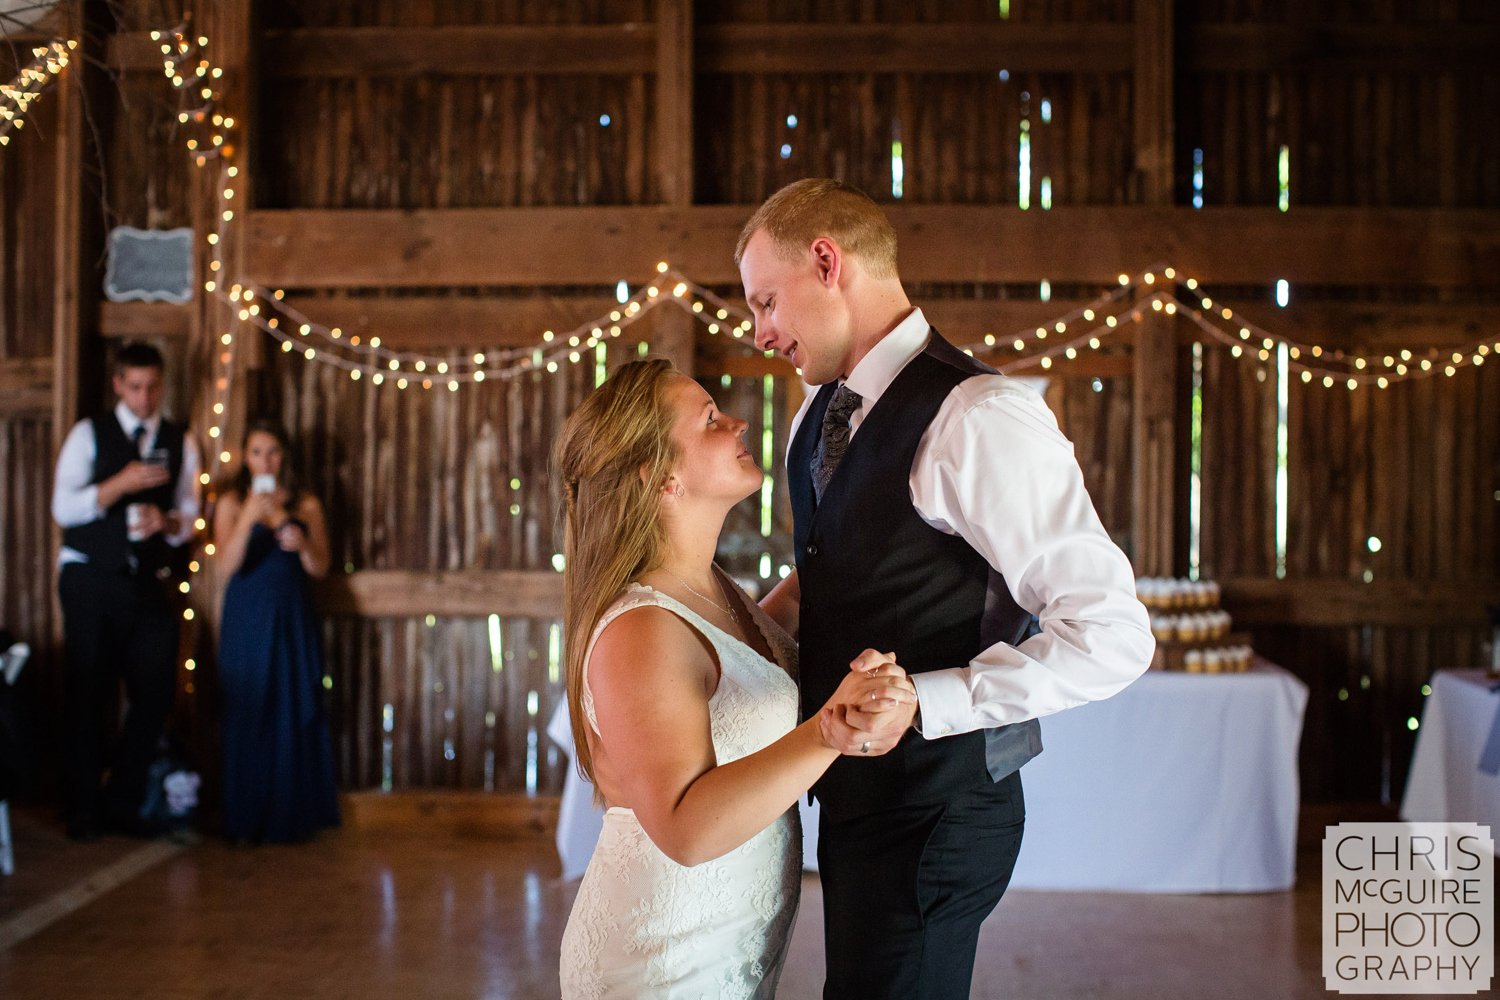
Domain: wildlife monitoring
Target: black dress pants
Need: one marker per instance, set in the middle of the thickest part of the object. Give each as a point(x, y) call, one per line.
point(905, 890)
point(116, 627)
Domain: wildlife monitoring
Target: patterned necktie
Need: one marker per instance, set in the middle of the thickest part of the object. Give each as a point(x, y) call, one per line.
point(835, 439)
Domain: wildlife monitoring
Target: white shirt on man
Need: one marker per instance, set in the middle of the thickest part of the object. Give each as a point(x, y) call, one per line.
point(994, 469)
point(75, 500)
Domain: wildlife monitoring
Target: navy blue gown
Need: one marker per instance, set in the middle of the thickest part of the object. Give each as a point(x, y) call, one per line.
point(278, 763)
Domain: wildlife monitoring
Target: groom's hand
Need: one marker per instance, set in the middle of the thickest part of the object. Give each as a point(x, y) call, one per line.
point(873, 721)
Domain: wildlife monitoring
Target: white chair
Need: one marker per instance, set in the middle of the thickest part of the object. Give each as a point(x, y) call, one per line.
point(11, 662)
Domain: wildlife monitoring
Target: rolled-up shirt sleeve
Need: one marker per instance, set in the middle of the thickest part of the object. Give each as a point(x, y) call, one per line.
point(995, 469)
point(75, 500)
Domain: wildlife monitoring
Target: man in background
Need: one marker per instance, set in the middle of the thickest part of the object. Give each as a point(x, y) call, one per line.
point(125, 496)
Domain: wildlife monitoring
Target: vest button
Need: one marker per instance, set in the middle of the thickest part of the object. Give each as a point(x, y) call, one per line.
point(812, 550)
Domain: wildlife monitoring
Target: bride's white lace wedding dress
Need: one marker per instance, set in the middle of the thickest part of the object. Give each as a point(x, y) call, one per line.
point(642, 925)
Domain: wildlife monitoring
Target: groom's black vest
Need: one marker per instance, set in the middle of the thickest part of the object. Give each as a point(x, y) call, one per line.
point(873, 574)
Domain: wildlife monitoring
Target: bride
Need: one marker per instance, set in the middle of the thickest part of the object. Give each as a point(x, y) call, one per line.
point(684, 707)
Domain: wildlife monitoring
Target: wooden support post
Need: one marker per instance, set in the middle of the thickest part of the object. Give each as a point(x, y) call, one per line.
point(67, 257)
point(1155, 380)
point(227, 26)
point(1155, 80)
point(1155, 446)
point(673, 336)
point(674, 101)
point(674, 330)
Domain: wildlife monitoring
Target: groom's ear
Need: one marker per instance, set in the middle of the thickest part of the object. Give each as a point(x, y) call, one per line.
point(828, 259)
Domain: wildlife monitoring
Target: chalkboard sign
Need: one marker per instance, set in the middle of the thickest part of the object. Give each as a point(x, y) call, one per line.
point(149, 265)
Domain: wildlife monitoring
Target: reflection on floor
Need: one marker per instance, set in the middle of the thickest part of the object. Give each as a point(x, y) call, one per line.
point(367, 914)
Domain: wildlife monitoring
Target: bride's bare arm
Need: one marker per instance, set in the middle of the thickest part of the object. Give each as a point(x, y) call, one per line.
point(783, 604)
point(652, 676)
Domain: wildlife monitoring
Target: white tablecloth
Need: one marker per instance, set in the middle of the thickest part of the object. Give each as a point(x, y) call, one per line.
point(1180, 783)
point(1445, 784)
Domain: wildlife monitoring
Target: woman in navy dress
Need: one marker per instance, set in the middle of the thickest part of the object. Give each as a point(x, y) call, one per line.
point(271, 537)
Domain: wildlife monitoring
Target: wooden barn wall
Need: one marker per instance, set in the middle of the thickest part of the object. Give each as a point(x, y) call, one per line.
point(27, 268)
point(424, 481)
point(1415, 468)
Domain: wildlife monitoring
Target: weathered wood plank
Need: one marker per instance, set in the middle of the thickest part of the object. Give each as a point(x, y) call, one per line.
point(947, 243)
point(1254, 601)
point(1152, 93)
point(129, 320)
point(26, 386)
point(391, 593)
point(914, 48)
point(1396, 603)
point(1406, 47)
point(674, 101)
point(470, 50)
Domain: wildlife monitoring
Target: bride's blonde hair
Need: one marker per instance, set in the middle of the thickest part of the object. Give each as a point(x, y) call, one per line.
point(613, 459)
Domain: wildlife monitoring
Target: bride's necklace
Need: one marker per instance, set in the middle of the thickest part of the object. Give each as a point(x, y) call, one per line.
point(702, 597)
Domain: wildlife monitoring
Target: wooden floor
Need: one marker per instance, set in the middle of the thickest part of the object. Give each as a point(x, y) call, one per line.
point(377, 914)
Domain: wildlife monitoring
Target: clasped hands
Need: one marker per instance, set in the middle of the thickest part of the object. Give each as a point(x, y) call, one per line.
point(872, 708)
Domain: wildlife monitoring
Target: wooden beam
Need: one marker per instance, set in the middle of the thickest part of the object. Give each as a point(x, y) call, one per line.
point(378, 593)
point(1415, 604)
point(437, 322)
point(674, 101)
point(329, 248)
point(627, 49)
point(742, 366)
point(130, 320)
point(1345, 48)
point(450, 812)
point(915, 48)
point(470, 50)
point(26, 386)
point(429, 322)
point(1376, 326)
point(1088, 365)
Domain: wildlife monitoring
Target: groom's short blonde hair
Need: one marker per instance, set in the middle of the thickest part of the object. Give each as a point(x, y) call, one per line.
point(818, 206)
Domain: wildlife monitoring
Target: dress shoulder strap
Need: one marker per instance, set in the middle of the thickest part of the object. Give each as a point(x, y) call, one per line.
point(636, 596)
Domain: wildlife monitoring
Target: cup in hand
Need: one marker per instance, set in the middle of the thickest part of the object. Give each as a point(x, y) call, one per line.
point(135, 513)
point(263, 483)
point(158, 457)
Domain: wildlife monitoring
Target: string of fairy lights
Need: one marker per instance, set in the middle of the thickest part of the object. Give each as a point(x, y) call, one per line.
point(208, 139)
point(1161, 289)
point(1156, 292)
point(372, 360)
point(16, 97)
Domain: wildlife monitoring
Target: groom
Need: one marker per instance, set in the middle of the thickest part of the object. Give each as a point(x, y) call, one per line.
point(937, 508)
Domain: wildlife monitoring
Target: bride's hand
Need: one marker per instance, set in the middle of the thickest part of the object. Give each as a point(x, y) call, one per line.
point(872, 707)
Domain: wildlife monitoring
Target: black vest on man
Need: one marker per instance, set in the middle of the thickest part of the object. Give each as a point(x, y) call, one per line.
point(106, 541)
point(873, 574)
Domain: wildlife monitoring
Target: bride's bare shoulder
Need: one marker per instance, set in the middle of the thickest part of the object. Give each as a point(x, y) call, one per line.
point(646, 645)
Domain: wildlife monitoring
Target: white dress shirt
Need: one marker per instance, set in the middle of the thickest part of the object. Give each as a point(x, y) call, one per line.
point(75, 500)
point(994, 469)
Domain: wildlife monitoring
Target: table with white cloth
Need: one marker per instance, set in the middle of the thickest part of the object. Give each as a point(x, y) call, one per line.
point(1180, 783)
point(1445, 784)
